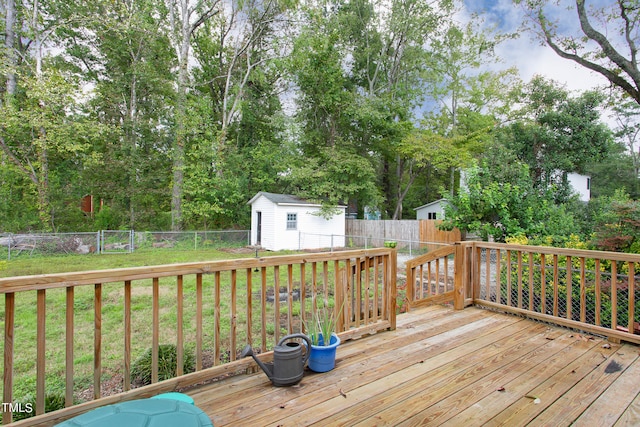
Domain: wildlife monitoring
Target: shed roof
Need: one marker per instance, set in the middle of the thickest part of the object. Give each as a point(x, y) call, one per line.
point(286, 199)
point(435, 202)
point(283, 199)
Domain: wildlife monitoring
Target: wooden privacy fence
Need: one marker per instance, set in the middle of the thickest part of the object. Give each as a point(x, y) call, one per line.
point(214, 308)
point(422, 230)
point(593, 291)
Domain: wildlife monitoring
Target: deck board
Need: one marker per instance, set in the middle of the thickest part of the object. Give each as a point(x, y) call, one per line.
point(440, 366)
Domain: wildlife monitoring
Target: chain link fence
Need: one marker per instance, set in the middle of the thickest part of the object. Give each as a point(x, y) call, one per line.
point(117, 241)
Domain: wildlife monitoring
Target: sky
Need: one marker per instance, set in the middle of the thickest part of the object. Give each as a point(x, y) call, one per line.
point(526, 52)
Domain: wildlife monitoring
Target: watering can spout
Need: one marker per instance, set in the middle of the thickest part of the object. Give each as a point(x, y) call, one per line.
point(267, 368)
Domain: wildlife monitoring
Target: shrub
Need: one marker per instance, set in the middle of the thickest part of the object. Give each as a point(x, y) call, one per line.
point(167, 363)
point(53, 400)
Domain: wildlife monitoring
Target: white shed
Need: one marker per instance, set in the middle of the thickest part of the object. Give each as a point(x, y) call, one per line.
point(433, 210)
point(283, 221)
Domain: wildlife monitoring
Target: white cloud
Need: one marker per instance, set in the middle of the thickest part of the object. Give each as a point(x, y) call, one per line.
point(526, 53)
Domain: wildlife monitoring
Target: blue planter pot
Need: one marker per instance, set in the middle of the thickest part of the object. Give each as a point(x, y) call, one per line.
point(323, 358)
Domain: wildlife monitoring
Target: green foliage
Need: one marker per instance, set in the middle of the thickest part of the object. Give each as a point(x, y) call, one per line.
point(498, 201)
point(53, 400)
point(618, 228)
point(167, 364)
point(556, 133)
point(322, 324)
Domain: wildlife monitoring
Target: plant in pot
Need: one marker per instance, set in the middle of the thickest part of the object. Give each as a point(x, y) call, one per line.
point(322, 357)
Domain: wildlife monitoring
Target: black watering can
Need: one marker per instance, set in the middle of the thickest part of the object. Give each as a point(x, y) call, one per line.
point(288, 363)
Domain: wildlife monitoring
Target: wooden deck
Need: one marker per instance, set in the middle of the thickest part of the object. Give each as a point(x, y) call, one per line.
point(445, 367)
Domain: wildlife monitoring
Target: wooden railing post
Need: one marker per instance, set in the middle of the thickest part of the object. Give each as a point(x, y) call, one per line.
point(393, 274)
point(458, 278)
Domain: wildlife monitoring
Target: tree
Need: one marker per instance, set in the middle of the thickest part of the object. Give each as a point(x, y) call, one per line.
point(604, 38)
point(554, 133)
point(627, 131)
point(130, 64)
point(497, 200)
point(42, 129)
point(185, 17)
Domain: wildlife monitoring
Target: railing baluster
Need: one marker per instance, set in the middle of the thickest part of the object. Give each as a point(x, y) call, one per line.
point(632, 297)
point(216, 319)
point(303, 291)
point(437, 290)
point(179, 326)
point(249, 301)
point(199, 322)
point(583, 291)
point(498, 274)
point(276, 301)
point(376, 293)
point(9, 330)
point(69, 335)
point(614, 295)
point(290, 298)
point(325, 278)
point(348, 292)
point(520, 283)
point(530, 281)
point(487, 273)
point(41, 354)
point(367, 289)
point(569, 288)
point(419, 281)
point(509, 279)
point(357, 286)
point(446, 274)
point(543, 285)
point(598, 287)
point(234, 316)
point(556, 283)
point(155, 325)
point(127, 335)
point(97, 341)
point(263, 307)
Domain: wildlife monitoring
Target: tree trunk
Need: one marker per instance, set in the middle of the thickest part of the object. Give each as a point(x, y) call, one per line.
point(9, 44)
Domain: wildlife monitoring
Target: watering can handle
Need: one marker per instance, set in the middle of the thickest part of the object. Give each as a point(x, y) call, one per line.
point(308, 344)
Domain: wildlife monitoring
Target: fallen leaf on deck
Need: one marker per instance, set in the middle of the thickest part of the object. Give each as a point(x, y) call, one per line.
point(501, 389)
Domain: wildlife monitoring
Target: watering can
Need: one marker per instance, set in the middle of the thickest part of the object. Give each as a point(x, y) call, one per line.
point(288, 363)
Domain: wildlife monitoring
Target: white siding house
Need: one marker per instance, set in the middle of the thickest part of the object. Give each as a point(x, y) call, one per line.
point(283, 221)
point(433, 210)
point(581, 185)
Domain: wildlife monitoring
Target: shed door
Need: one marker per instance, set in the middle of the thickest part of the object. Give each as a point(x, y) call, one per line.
point(259, 229)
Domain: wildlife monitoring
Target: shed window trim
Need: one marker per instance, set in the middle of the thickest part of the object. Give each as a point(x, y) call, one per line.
point(292, 221)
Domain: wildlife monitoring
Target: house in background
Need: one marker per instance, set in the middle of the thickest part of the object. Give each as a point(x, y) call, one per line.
point(433, 210)
point(581, 185)
point(284, 221)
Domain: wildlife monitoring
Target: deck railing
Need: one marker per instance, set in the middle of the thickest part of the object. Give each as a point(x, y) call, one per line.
point(103, 320)
point(594, 291)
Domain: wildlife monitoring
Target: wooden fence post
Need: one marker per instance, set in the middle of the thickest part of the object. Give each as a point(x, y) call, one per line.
point(458, 278)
